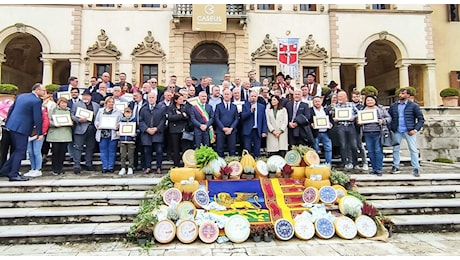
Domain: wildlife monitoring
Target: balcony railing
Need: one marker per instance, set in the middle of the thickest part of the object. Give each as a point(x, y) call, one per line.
point(233, 10)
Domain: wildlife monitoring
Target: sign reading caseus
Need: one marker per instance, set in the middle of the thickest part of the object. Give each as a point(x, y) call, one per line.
point(208, 17)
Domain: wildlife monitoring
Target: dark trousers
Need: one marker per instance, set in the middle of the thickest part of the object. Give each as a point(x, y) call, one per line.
point(139, 154)
point(252, 143)
point(6, 145)
point(202, 138)
point(84, 142)
point(348, 147)
point(177, 146)
point(13, 164)
point(58, 151)
point(222, 139)
point(148, 149)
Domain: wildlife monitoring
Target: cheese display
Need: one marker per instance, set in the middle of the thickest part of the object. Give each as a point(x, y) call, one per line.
point(345, 227)
point(350, 206)
point(172, 194)
point(186, 210)
point(187, 231)
point(366, 226)
point(237, 228)
point(293, 158)
point(341, 192)
point(310, 195)
point(298, 172)
point(324, 228)
point(261, 169)
point(179, 174)
point(284, 230)
point(327, 194)
point(237, 169)
point(189, 158)
point(164, 231)
point(304, 229)
point(208, 232)
point(200, 198)
point(311, 158)
point(318, 172)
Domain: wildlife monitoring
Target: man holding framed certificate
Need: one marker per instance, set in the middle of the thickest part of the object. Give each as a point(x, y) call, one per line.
point(321, 123)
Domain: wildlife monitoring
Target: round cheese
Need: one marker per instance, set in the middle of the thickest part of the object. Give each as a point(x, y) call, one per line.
point(345, 227)
point(327, 194)
point(366, 226)
point(237, 229)
point(189, 158)
point(310, 195)
point(284, 230)
point(200, 198)
point(208, 232)
point(324, 228)
point(304, 229)
point(164, 231)
point(187, 231)
point(172, 194)
point(186, 209)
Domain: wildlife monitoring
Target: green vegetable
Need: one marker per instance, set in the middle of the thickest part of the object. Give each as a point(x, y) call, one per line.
point(204, 155)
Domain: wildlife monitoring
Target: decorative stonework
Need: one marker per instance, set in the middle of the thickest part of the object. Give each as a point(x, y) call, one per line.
point(103, 45)
point(149, 45)
point(383, 35)
point(310, 48)
point(267, 47)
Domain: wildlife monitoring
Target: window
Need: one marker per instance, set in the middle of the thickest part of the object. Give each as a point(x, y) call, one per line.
point(149, 71)
point(267, 72)
point(105, 5)
point(380, 6)
point(101, 68)
point(453, 13)
point(150, 5)
point(307, 7)
point(266, 7)
point(308, 70)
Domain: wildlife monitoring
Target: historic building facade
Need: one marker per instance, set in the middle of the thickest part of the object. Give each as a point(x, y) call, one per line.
point(387, 46)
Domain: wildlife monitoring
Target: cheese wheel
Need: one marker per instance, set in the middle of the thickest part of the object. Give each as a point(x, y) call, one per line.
point(284, 230)
point(327, 194)
point(304, 229)
point(190, 188)
point(345, 227)
point(179, 174)
point(311, 158)
point(208, 232)
point(237, 169)
point(200, 198)
point(237, 229)
point(187, 231)
point(298, 173)
point(324, 228)
point(261, 169)
point(172, 194)
point(186, 209)
point(340, 190)
point(324, 172)
point(164, 231)
point(310, 195)
point(189, 158)
point(317, 184)
point(366, 226)
point(293, 158)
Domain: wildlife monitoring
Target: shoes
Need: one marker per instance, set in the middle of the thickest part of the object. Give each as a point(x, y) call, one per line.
point(130, 171)
point(357, 168)
point(378, 173)
point(416, 173)
point(19, 178)
point(55, 173)
point(147, 171)
point(365, 167)
point(76, 170)
point(122, 171)
point(33, 173)
point(158, 171)
point(348, 166)
point(105, 170)
point(394, 170)
point(88, 168)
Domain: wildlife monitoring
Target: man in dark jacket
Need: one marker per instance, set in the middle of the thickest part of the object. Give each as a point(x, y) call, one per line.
point(406, 120)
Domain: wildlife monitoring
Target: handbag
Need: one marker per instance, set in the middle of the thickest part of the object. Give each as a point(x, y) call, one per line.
point(187, 136)
point(387, 138)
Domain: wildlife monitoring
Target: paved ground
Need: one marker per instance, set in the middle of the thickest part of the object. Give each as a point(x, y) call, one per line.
point(416, 244)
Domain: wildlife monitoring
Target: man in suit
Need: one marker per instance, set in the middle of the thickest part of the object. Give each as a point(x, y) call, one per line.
point(299, 129)
point(154, 88)
point(254, 124)
point(202, 117)
point(136, 105)
point(152, 126)
point(74, 97)
point(23, 116)
point(84, 132)
point(72, 83)
point(226, 121)
point(245, 90)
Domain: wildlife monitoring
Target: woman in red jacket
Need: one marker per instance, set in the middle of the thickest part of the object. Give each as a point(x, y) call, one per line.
point(34, 147)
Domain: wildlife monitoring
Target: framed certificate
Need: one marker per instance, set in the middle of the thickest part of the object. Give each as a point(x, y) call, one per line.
point(121, 106)
point(193, 101)
point(321, 122)
point(64, 94)
point(108, 122)
point(127, 128)
point(62, 120)
point(367, 116)
point(84, 113)
point(343, 114)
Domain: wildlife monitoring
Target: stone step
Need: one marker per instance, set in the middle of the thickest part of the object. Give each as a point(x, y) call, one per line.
point(83, 198)
point(80, 183)
point(407, 179)
point(59, 233)
point(67, 215)
point(426, 222)
point(417, 206)
point(410, 192)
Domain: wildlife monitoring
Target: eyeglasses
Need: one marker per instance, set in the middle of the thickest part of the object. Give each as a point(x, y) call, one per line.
point(153, 82)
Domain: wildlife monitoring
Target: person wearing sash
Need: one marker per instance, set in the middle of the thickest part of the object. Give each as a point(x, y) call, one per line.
point(202, 117)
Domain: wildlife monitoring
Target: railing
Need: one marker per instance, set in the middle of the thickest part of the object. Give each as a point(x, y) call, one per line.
point(233, 10)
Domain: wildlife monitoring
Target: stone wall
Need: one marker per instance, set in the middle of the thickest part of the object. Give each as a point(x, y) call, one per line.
point(440, 135)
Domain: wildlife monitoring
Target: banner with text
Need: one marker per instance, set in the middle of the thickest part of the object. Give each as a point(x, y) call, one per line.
point(208, 17)
point(288, 54)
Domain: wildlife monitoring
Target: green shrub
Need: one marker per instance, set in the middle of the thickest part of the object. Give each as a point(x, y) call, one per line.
point(51, 88)
point(449, 92)
point(443, 160)
point(8, 89)
point(369, 91)
point(324, 90)
point(412, 90)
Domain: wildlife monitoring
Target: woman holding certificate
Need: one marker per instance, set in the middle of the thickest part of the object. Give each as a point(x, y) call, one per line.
point(371, 118)
point(107, 122)
point(59, 134)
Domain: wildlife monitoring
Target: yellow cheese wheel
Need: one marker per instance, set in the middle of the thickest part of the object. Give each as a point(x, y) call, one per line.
point(199, 174)
point(180, 174)
point(341, 192)
point(317, 184)
point(311, 158)
point(189, 158)
point(298, 173)
point(325, 172)
point(189, 188)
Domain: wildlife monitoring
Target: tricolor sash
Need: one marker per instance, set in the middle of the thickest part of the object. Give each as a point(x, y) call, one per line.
point(204, 114)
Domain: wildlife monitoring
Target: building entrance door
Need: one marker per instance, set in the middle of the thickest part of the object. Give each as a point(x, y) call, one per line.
point(209, 59)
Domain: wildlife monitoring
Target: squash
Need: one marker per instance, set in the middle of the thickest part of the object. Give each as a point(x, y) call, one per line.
point(325, 172)
point(298, 173)
point(317, 184)
point(247, 159)
point(189, 188)
point(311, 158)
point(180, 174)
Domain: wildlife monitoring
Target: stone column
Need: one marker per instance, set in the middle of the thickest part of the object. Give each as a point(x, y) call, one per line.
point(403, 74)
point(2, 59)
point(430, 94)
point(75, 68)
point(360, 77)
point(335, 69)
point(47, 77)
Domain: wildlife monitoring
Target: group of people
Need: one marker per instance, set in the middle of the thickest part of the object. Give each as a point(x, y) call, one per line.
point(272, 117)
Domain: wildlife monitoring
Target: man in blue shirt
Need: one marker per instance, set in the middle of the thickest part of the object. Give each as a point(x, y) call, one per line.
point(407, 120)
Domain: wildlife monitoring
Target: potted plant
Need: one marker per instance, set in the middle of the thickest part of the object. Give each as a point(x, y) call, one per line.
point(225, 172)
point(51, 88)
point(268, 232)
point(449, 97)
point(412, 90)
point(8, 91)
point(369, 91)
point(286, 171)
point(256, 232)
point(142, 230)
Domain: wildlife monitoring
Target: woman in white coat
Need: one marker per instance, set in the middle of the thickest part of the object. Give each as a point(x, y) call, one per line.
point(277, 122)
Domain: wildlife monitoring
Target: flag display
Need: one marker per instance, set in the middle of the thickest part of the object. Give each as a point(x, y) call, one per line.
point(288, 56)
